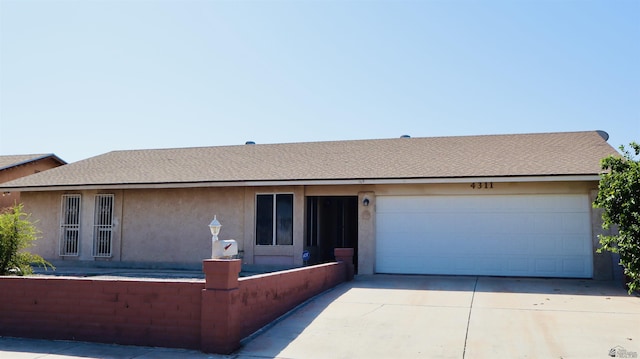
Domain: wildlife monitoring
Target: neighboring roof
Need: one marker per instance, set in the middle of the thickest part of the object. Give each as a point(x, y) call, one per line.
point(10, 161)
point(545, 154)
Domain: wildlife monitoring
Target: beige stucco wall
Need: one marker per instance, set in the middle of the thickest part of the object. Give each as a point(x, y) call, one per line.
point(366, 233)
point(170, 225)
point(605, 267)
point(44, 208)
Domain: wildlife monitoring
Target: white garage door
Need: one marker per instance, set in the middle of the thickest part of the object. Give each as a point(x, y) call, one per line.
point(533, 235)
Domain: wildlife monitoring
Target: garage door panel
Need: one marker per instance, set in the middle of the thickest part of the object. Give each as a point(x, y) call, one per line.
point(574, 223)
point(518, 265)
point(575, 244)
point(546, 266)
point(546, 223)
point(573, 265)
point(549, 244)
point(519, 244)
point(532, 235)
point(514, 223)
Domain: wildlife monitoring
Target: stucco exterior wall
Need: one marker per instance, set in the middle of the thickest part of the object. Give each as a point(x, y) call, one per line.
point(44, 208)
point(605, 265)
point(171, 225)
point(366, 233)
point(167, 225)
point(499, 188)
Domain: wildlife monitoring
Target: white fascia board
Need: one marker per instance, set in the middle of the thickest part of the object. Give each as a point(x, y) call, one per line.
point(577, 178)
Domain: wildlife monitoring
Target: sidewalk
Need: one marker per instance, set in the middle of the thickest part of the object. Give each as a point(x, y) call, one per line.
point(21, 348)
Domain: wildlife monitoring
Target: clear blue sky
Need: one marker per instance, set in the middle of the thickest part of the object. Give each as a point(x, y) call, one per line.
point(81, 78)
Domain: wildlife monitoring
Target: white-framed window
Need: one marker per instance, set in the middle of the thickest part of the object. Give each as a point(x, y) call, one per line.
point(103, 226)
point(70, 225)
point(274, 219)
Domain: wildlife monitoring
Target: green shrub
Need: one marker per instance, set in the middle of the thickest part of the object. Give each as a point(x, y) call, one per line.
point(619, 196)
point(16, 234)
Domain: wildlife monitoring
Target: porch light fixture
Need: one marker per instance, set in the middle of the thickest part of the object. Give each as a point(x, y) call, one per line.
point(214, 226)
point(365, 202)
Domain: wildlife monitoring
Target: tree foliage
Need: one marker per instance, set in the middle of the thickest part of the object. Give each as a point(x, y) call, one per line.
point(16, 234)
point(619, 197)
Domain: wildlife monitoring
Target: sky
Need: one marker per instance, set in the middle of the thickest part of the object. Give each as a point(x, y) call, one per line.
point(82, 78)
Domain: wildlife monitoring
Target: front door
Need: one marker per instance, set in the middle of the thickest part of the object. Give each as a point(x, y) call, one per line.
point(332, 222)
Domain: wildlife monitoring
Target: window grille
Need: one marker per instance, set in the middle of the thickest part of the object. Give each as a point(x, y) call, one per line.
point(70, 225)
point(103, 226)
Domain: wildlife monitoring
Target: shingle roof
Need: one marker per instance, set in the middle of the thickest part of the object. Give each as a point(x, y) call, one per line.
point(545, 154)
point(9, 161)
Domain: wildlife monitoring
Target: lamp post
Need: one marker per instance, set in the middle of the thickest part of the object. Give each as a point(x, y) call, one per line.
point(214, 226)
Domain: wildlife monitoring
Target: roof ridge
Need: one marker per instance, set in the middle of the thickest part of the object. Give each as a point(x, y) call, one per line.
point(349, 140)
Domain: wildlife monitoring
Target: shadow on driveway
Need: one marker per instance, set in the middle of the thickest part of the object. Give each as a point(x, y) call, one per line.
point(493, 284)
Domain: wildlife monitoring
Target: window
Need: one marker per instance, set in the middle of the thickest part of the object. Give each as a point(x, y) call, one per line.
point(274, 219)
point(70, 225)
point(103, 226)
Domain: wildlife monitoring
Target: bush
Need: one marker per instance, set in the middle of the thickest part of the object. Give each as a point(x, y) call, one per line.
point(619, 196)
point(16, 234)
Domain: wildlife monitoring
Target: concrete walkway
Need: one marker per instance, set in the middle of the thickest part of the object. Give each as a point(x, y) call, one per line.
point(423, 317)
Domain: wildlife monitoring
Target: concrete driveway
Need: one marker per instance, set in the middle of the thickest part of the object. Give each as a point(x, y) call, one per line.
point(458, 317)
point(422, 317)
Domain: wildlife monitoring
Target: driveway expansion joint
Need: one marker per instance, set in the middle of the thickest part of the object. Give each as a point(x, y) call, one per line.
point(466, 334)
point(373, 310)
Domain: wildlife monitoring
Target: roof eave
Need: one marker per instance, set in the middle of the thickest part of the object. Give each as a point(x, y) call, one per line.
point(306, 182)
point(49, 155)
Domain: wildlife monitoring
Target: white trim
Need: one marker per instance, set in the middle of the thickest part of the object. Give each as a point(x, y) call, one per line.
point(562, 178)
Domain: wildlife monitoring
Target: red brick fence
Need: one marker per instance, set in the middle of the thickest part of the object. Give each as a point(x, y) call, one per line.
point(212, 316)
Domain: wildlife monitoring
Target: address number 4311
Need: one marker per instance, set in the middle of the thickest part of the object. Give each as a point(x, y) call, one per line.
point(482, 185)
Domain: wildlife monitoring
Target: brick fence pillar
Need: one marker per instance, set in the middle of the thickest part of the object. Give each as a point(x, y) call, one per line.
point(345, 255)
point(220, 316)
